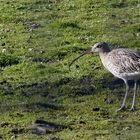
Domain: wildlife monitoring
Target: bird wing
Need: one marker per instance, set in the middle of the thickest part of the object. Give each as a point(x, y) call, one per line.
point(125, 60)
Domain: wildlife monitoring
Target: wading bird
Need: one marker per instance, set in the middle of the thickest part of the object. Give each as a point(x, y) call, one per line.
point(122, 63)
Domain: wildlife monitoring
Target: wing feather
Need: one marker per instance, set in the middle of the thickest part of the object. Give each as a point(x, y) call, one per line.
point(124, 60)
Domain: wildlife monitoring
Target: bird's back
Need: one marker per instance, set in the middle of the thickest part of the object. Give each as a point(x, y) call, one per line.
point(122, 61)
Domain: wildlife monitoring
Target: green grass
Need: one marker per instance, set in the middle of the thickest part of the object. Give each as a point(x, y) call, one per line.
point(38, 39)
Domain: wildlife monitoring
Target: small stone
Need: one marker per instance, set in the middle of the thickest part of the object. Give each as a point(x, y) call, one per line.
point(113, 16)
point(1, 136)
point(3, 44)
point(96, 109)
point(138, 5)
point(3, 50)
point(4, 124)
point(137, 34)
point(30, 49)
point(124, 21)
point(7, 30)
point(127, 128)
point(41, 127)
point(82, 122)
point(77, 66)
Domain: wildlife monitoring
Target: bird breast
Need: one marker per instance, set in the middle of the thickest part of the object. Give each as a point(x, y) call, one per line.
point(107, 63)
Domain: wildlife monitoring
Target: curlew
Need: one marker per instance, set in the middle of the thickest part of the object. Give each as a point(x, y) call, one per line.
point(122, 63)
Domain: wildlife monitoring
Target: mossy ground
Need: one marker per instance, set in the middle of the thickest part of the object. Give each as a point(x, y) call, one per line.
point(37, 41)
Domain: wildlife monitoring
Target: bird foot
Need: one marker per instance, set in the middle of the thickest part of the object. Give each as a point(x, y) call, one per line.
point(132, 109)
point(121, 108)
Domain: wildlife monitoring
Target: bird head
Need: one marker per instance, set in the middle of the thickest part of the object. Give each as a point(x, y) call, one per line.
point(100, 47)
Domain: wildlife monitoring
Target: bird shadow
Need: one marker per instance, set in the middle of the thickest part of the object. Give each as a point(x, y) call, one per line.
point(116, 83)
point(117, 86)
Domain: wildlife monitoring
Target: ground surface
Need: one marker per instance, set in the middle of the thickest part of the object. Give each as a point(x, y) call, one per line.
point(37, 41)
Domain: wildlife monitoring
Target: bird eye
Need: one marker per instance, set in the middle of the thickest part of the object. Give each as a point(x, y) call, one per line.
point(99, 46)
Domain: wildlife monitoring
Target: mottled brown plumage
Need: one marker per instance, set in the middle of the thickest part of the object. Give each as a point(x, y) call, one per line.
point(124, 60)
point(122, 63)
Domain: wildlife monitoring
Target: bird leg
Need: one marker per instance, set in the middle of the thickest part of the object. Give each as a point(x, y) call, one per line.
point(134, 96)
point(125, 97)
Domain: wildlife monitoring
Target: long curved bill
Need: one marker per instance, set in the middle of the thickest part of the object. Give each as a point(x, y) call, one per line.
point(87, 52)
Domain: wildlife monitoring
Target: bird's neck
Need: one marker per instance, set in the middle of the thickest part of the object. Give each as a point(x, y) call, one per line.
point(103, 54)
point(103, 57)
